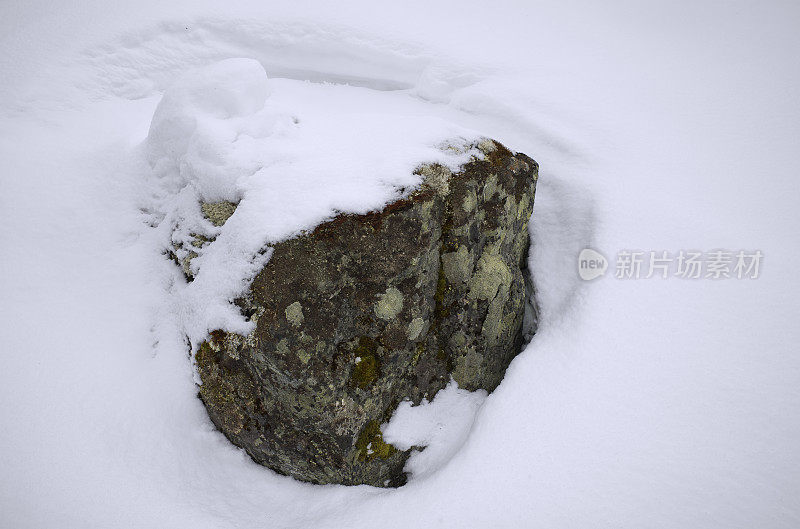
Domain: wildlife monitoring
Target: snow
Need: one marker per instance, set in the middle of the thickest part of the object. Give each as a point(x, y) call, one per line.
point(640, 403)
point(277, 149)
point(191, 130)
point(439, 428)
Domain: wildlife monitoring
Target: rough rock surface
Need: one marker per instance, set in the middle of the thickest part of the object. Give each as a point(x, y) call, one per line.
point(368, 310)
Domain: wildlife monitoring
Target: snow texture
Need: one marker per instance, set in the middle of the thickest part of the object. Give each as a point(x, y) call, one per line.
point(439, 428)
point(641, 403)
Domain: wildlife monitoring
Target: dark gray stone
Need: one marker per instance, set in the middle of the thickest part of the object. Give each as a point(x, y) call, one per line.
point(368, 310)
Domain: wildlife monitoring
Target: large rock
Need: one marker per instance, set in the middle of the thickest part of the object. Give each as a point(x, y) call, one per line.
point(368, 310)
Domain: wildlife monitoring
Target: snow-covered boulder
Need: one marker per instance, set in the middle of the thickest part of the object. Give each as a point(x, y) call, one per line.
point(343, 251)
point(368, 310)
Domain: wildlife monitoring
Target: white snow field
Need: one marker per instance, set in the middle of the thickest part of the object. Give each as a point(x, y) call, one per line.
point(640, 403)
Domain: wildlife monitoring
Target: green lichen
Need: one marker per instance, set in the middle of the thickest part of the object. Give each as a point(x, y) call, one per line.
point(467, 368)
point(523, 210)
point(218, 212)
point(186, 264)
point(490, 187)
point(303, 404)
point(487, 146)
point(282, 346)
point(389, 304)
point(493, 324)
point(198, 241)
point(492, 274)
point(457, 265)
point(294, 313)
point(458, 339)
point(415, 328)
point(510, 206)
point(470, 201)
point(436, 176)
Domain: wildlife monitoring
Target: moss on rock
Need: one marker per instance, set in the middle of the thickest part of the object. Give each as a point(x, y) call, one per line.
point(370, 444)
point(366, 369)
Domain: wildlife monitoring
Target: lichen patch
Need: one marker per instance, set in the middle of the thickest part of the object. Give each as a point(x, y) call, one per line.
point(218, 212)
point(457, 265)
point(294, 313)
point(390, 304)
point(415, 328)
point(492, 273)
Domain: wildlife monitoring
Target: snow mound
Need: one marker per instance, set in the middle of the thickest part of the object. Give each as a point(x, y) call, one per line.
point(289, 154)
point(441, 426)
point(196, 125)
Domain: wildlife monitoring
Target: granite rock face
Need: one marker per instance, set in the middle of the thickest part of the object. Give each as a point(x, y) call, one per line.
point(368, 310)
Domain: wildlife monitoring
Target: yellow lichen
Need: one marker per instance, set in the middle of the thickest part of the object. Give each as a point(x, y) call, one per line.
point(370, 444)
point(367, 367)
